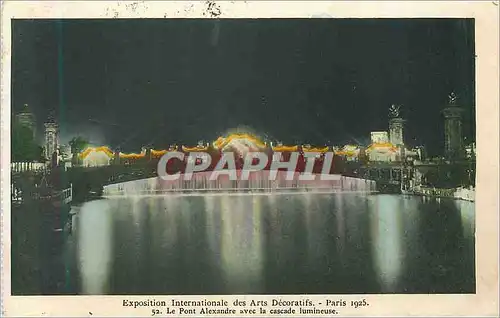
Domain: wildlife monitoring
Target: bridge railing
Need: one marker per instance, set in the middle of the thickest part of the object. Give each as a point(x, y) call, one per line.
point(467, 194)
point(67, 194)
point(27, 166)
point(18, 195)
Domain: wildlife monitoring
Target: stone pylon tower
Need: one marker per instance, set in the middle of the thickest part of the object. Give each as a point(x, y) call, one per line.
point(51, 137)
point(396, 125)
point(453, 144)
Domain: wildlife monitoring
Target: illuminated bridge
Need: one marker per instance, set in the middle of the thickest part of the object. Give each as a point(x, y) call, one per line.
point(135, 173)
point(103, 171)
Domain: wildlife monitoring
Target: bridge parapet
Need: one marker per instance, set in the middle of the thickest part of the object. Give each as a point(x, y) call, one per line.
point(20, 167)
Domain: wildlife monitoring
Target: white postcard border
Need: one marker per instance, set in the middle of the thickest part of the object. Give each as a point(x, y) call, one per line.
point(484, 302)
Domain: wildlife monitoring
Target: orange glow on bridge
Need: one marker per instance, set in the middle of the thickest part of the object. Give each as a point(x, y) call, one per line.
point(89, 150)
point(387, 146)
point(158, 153)
point(315, 149)
point(194, 149)
point(285, 148)
point(132, 155)
point(222, 143)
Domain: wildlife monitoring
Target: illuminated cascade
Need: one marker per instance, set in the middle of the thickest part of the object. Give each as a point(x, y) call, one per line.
point(202, 182)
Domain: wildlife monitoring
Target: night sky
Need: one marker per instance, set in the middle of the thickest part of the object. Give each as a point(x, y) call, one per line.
point(128, 83)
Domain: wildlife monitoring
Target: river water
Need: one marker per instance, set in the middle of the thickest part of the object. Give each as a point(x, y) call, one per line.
point(274, 244)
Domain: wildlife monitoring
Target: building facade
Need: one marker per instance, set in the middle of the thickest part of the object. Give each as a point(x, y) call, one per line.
point(396, 131)
point(379, 137)
point(51, 138)
point(396, 124)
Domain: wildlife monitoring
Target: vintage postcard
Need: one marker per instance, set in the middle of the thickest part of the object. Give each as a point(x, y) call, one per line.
point(249, 158)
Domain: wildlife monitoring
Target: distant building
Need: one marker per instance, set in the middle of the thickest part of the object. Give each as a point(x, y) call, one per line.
point(391, 147)
point(379, 137)
point(27, 119)
point(349, 152)
point(51, 138)
point(470, 150)
point(382, 152)
point(385, 146)
point(421, 152)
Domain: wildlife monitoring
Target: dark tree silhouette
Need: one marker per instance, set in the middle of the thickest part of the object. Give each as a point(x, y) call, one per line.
point(24, 147)
point(77, 144)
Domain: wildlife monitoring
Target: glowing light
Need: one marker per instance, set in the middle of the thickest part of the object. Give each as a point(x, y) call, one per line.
point(387, 237)
point(222, 142)
point(348, 151)
point(241, 142)
point(158, 153)
point(96, 158)
point(132, 155)
point(89, 150)
point(285, 148)
point(240, 240)
point(386, 146)
point(95, 234)
point(315, 149)
point(194, 149)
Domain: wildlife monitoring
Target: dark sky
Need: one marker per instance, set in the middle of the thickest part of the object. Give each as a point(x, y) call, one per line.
point(132, 82)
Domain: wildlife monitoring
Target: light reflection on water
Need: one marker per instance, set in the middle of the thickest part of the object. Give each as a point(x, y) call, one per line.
point(467, 216)
point(241, 250)
point(387, 239)
point(94, 246)
point(302, 243)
